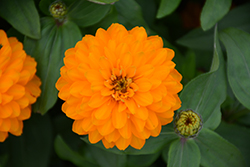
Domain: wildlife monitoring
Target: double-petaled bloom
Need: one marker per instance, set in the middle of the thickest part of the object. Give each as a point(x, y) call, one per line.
point(119, 86)
point(19, 86)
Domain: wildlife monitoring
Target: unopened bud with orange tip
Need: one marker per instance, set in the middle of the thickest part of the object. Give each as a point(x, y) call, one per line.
point(187, 123)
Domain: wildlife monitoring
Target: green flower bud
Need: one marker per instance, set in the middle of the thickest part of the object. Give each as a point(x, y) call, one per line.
point(187, 123)
point(58, 10)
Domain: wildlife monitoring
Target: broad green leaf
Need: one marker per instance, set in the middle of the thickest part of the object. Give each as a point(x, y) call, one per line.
point(237, 44)
point(66, 153)
point(107, 159)
point(216, 151)
point(142, 160)
point(3, 159)
point(213, 11)
point(104, 1)
point(198, 39)
point(237, 135)
point(152, 145)
point(110, 18)
point(49, 52)
point(85, 13)
point(22, 15)
point(207, 92)
point(184, 152)
point(33, 148)
point(167, 7)
point(130, 14)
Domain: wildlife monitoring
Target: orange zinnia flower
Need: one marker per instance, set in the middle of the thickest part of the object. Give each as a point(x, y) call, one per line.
point(19, 86)
point(119, 86)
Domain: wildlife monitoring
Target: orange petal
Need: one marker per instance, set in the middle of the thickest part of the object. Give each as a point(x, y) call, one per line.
point(14, 124)
point(121, 106)
point(23, 102)
point(5, 126)
point(95, 136)
point(87, 124)
point(155, 132)
point(143, 98)
point(144, 70)
point(77, 127)
point(130, 103)
point(106, 144)
point(102, 34)
point(106, 128)
point(119, 119)
point(112, 137)
point(144, 84)
point(160, 57)
point(17, 91)
point(3, 136)
point(122, 143)
point(137, 143)
point(138, 123)
point(25, 113)
point(6, 98)
point(6, 111)
point(15, 109)
point(104, 111)
point(125, 131)
point(142, 135)
point(152, 121)
point(142, 113)
point(97, 100)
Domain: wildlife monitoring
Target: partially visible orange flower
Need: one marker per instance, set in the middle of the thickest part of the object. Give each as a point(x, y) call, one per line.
point(19, 86)
point(119, 86)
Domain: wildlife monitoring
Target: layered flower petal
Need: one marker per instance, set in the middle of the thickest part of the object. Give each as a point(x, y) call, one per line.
point(19, 86)
point(125, 83)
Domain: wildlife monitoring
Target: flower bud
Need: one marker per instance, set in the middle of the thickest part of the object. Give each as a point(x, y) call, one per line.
point(58, 10)
point(187, 123)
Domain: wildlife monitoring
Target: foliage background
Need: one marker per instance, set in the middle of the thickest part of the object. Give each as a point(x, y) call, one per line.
point(211, 40)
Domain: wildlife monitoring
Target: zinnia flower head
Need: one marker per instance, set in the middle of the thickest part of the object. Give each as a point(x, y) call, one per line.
point(119, 86)
point(19, 86)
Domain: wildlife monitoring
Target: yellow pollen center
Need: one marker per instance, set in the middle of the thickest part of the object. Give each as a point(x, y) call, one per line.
point(120, 87)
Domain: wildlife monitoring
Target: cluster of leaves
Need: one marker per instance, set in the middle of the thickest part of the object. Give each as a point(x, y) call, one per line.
point(216, 82)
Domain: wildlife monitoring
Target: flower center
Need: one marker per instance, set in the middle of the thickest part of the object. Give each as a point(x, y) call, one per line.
point(188, 123)
point(1, 46)
point(121, 87)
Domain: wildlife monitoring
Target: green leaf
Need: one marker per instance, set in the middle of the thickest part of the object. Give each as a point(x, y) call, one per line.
point(142, 160)
point(207, 92)
point(198, 39)
point(216, 151)
point(213, 11)
point(237, 44)
point(130, 14)
point(167, 7)
point(49, 52)
point(107, 159)
point(237, 135)
point(184, 152)
point(22, 15)
point(66, 153)
point(3, 160)
point(33, 148)
point(104, 1)
point(85, 13)
point(152, 145)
